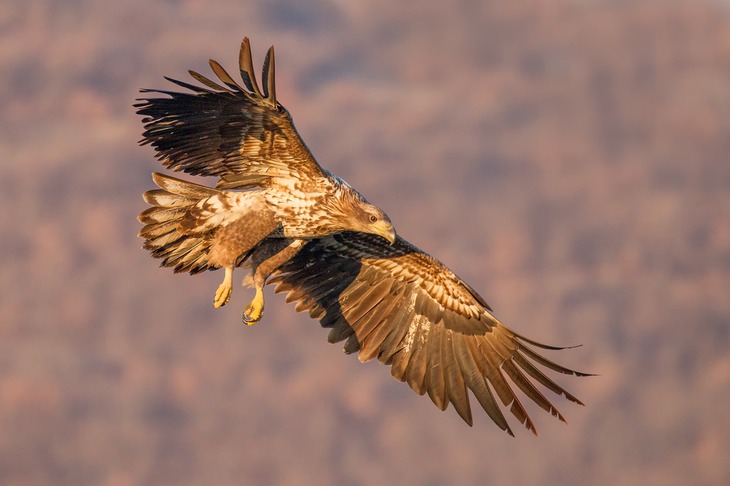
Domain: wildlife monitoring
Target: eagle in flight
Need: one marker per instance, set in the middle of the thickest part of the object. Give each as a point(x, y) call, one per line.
point(276, 211)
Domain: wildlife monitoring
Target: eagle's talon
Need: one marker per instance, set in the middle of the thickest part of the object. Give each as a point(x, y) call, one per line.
point(222, 295)
point(255, 310)
point(252, 315)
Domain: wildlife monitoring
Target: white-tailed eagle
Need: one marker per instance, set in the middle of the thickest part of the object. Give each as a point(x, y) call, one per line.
point(276, 211)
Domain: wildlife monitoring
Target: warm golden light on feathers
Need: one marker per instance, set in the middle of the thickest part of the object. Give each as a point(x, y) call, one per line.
point(275, 210)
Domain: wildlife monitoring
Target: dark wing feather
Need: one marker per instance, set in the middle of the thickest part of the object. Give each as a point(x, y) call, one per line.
point(232, 131)
point(402, 306)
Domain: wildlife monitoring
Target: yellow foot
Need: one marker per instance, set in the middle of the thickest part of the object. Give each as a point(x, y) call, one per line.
point(222, 295)
point(255, 310)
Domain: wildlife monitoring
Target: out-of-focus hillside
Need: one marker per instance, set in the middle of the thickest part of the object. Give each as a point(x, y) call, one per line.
point(568, 159)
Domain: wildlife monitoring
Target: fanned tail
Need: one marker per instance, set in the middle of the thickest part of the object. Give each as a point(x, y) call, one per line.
point(162, 234)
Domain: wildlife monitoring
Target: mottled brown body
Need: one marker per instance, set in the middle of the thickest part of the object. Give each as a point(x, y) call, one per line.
point(233, 240)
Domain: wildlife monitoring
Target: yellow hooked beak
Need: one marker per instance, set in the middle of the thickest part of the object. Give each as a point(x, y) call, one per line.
point(384, 229)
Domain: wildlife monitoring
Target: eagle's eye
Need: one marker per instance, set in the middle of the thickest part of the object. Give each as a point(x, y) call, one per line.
point(373, 218)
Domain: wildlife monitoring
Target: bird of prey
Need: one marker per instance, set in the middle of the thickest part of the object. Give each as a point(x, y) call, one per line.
point(294, 224)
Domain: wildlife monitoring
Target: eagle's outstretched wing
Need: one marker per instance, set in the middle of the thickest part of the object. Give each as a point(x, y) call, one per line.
point(403, 307)
point(239, 133)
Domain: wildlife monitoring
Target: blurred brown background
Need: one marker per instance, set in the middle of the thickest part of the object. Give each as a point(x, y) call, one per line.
point(569, 159)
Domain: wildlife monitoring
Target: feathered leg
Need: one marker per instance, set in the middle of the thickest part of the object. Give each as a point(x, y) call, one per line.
point(265, 260)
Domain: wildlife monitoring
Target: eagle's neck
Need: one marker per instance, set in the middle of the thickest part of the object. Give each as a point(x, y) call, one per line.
point(313, 212)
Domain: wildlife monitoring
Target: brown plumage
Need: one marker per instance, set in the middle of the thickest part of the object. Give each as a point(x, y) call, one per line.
point(275, 210)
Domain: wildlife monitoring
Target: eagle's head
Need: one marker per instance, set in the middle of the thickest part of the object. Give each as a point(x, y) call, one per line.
point(357, 214)
point(372, 219)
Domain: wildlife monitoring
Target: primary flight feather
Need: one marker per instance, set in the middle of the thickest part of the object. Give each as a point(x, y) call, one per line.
point(296, 225)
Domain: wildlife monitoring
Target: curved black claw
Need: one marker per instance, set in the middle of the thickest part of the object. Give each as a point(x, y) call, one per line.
point(252, 315)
